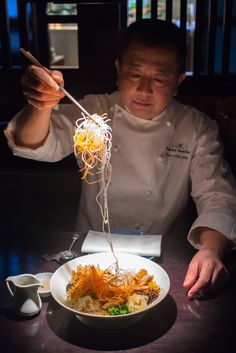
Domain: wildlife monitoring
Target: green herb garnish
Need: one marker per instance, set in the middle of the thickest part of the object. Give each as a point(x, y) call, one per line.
point(120, 309)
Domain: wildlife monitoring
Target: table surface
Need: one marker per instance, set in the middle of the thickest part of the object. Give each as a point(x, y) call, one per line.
point(177, 325)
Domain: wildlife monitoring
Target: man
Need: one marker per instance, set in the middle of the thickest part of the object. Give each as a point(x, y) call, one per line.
point(162, 151)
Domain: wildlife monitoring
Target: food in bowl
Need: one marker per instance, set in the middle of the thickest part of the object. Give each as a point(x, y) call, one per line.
point(63, 275)
point(108, 292)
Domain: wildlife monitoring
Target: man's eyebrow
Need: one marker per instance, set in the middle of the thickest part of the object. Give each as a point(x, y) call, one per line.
point(136, 64)
point(132, 64)
point(157, 71)
point(162, 72)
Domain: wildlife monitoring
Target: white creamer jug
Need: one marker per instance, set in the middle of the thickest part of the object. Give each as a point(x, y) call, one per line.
point(24, 292)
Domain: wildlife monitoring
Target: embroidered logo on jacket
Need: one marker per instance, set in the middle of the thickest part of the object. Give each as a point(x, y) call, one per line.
point(177, 150)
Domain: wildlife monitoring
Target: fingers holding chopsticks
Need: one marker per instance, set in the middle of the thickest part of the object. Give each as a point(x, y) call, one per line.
point(40, 86)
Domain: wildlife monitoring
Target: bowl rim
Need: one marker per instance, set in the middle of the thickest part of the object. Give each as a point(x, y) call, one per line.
point(160, 298)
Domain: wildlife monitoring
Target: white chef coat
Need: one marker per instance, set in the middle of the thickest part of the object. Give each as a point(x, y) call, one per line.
point(156, 165)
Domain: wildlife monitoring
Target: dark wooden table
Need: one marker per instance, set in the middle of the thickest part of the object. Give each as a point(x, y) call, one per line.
point(177, 325)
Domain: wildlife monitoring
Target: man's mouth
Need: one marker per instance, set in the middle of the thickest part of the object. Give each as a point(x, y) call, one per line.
point(142, 103)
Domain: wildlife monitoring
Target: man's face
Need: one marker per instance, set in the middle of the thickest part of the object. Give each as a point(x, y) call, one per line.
point(147, 79)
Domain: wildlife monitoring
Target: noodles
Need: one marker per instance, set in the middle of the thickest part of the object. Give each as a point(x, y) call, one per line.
point(92, 290)
point(97, 291)
point(92, 143)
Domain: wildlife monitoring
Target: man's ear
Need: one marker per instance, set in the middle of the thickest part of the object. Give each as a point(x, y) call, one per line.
point(117, 65)
point(181, 78)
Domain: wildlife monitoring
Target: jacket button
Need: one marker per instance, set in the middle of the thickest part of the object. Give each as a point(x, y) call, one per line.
point(149, 193)
point(160, 159)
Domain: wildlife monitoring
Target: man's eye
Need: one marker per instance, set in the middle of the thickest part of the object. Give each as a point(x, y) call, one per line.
point(160, 81)
point(134, 76)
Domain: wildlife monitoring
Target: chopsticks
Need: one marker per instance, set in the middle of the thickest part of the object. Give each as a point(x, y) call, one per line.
point(34, 61)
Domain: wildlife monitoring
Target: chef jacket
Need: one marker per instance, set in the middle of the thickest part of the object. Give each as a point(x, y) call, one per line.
point(156, 165)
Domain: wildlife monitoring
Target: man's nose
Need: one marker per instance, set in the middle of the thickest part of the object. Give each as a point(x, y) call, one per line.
point(145, 85)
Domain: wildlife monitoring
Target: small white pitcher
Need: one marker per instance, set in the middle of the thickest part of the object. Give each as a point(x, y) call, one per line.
point(24, 292)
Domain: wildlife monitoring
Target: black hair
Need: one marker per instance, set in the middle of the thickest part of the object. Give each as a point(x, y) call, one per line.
point(154, 33)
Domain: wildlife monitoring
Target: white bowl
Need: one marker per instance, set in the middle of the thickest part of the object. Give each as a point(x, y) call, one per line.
point(45, 278)
point(63, 274)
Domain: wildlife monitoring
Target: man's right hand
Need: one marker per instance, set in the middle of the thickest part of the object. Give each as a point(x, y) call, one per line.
point(41, 88)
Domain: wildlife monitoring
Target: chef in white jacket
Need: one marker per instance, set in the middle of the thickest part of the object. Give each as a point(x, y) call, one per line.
point(162, 151)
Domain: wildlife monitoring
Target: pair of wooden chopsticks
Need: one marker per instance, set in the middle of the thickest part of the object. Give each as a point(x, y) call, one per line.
point(34, 61)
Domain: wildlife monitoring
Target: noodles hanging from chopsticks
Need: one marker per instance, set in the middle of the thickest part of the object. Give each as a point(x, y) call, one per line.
point(92, 143)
